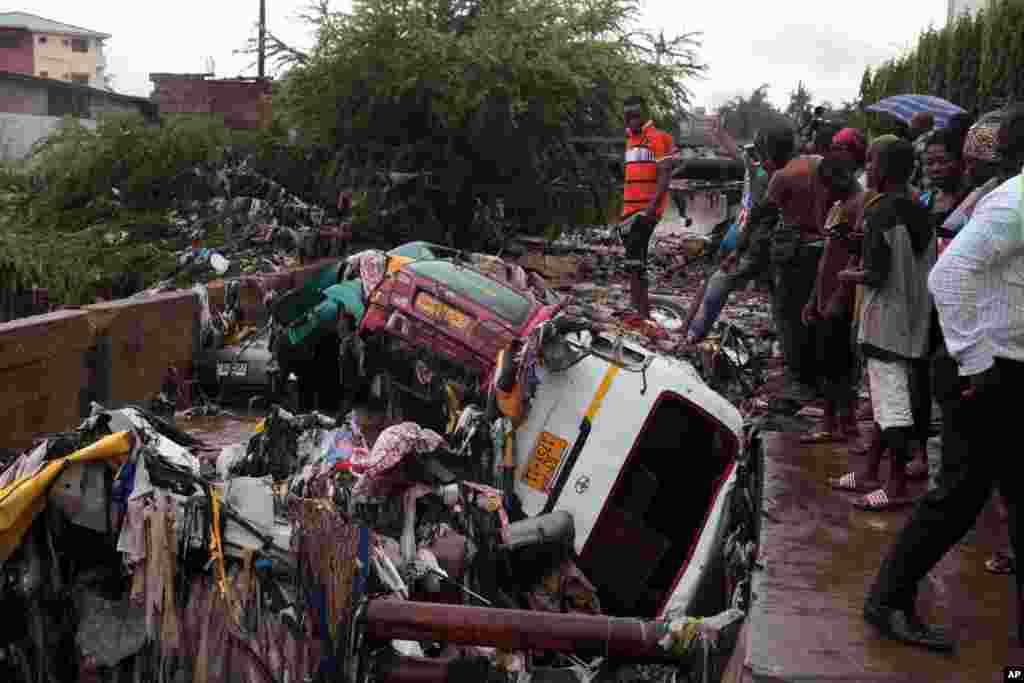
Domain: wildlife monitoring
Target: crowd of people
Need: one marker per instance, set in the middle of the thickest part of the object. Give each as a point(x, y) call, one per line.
point(897, 265)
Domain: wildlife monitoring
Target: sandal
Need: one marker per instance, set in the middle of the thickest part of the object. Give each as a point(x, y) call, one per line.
point(848, 482)
point(823, 437)
point(1001, 563)
point(917, 469)
point(878, 501)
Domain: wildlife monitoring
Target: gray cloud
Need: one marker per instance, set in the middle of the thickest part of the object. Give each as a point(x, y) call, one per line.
point(823, 51)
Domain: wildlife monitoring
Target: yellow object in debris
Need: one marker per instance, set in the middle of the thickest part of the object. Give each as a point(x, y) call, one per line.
point(23, 500)
point(396, 263)
point(454, 407)
point(239, 335)
point(261, 425)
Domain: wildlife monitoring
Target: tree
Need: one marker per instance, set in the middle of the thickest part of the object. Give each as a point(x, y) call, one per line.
point(956, 57)
point(745, 115)
point(482, 94)
point(799, 102)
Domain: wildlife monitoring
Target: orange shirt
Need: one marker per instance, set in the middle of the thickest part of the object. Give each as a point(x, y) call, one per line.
point(644, 152)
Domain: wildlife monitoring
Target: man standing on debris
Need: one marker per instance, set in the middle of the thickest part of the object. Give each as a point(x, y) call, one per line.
point(648, 172)
point(978, 285)
point(786, 228)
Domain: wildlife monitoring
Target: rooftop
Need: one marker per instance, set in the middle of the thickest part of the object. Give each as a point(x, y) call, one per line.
point(37, 24)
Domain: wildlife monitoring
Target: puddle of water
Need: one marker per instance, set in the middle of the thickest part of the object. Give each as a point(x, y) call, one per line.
point(223, 430)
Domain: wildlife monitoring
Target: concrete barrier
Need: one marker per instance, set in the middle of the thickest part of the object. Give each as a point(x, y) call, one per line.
point(53, 366)
point(42, 370)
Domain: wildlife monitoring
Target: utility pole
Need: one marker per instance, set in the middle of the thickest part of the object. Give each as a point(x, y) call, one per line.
point(262, 47)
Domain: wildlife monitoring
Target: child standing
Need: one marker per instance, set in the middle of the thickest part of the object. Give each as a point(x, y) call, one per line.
point(898, 253)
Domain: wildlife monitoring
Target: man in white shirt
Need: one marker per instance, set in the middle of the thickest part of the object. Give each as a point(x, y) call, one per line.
point(978, 286)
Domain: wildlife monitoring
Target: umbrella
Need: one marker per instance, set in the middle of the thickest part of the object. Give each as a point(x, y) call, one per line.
point(904, 107)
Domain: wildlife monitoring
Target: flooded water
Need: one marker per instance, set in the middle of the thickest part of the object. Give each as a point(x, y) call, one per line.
point(223, 430)
point(820, 555)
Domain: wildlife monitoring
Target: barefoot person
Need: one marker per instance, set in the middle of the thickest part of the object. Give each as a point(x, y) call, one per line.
point(898, 252)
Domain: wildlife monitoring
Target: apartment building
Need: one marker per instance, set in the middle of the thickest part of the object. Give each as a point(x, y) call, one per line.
point(44, 48)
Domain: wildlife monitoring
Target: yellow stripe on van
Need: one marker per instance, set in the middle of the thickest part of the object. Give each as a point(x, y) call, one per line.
point(602, 391)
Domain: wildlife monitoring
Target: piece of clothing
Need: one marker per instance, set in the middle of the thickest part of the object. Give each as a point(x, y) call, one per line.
point(716, 294)
point(637, 242)
point(947, 513)
point(920, 384)
point(947, 388)
point(890, 393)
point(852, 141)
point(919, 179)
point(793, 285)
point(978, 283)
point(645, 152)
point(801, 199)
point(962, 214)
point(899, 250)
point(837, 366)
point(981, 141)
point(839, 224)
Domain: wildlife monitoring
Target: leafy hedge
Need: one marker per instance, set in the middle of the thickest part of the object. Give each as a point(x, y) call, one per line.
point(974, 61)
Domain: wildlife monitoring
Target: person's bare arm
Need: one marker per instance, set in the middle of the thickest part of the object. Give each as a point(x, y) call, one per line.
point(721, 136)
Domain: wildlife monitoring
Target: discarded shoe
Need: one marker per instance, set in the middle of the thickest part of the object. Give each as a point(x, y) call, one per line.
point(906, 628)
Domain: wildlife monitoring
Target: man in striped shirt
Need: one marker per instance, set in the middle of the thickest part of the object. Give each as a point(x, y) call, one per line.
point(978, 286)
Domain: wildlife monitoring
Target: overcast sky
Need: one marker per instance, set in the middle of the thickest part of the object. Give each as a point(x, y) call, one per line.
point(745, 42)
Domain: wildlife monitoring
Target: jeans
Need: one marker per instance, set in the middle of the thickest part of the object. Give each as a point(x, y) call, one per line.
point(947, 513)
point(719, 288)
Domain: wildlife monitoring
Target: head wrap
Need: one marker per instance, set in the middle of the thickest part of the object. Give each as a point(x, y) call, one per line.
point(886, 139)
point(853, 140)
point(981, 142)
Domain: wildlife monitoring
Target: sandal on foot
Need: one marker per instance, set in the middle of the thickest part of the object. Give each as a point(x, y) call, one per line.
point(917, 469)
point(848, 482)
point(879, 501)
point(823, 437)
point(1001, 563)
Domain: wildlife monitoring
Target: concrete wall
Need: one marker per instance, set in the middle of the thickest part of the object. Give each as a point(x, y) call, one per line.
point(15, 98)
point(17, 59)
point(242, 103)
point(52, 366)
point(18, 132)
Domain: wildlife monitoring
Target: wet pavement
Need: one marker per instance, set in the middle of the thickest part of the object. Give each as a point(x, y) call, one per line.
point(819, 556)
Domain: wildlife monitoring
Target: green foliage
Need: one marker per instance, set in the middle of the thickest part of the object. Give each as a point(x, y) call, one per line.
point(484, 95)
point(799, 102)
point(744, 116)
point(975, 61)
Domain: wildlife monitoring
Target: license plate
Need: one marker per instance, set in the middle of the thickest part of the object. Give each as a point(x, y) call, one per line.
point(438, 310)
point(544, 462)
point(225, 369)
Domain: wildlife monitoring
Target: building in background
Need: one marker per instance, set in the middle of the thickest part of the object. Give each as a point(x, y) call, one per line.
point(44, 48)
point(242, 102)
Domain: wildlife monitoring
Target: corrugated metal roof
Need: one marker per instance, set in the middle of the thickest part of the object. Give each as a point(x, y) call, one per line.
point(37, 24)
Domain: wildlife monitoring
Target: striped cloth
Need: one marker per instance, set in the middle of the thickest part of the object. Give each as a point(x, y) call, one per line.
point(904, 107)
point(978, 283)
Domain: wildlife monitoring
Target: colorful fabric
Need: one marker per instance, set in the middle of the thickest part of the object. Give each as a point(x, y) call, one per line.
point(391, 447)
point(645, 151)
point(372, 265)
point(981, 142)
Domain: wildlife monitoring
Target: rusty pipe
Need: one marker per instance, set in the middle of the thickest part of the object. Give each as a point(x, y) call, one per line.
point(509, 629)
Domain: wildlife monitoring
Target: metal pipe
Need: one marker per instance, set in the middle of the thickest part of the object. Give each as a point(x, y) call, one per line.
point(514, 629)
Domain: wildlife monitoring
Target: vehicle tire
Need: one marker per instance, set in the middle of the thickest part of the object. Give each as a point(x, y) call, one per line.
point(669, 312)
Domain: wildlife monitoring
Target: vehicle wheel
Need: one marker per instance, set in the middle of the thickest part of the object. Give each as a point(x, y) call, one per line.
point(670, 313)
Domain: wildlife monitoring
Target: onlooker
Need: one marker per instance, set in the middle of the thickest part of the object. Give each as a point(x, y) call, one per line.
point(645, 195)
point(979, 290)
point(830, 308)
point(787, 225)
point(723, 283)
point(898, 252)
point(944, 171)
point(921, 126)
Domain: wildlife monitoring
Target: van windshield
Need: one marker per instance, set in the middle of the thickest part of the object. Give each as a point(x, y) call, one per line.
point(502, 300)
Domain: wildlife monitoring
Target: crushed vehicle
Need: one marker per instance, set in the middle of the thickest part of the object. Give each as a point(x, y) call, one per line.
point(462, 510)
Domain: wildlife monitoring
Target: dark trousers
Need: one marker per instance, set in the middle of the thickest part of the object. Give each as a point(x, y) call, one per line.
point(921, 398)
point(947, 386)
point(836, 360)
point(947, 513)
point(794, 282)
